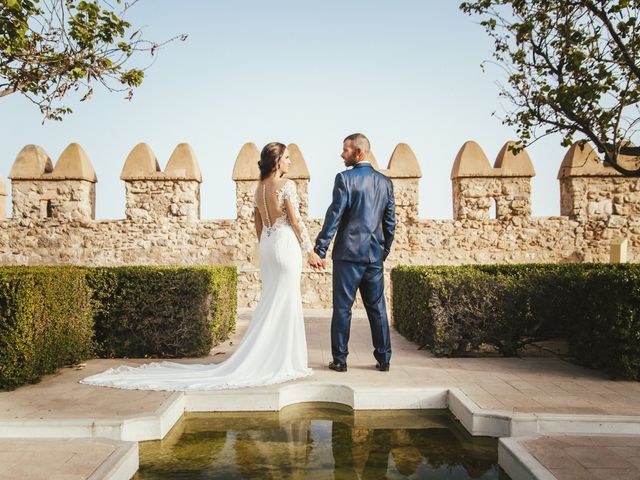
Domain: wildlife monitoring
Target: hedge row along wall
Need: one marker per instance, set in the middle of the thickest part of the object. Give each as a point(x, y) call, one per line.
point(55, 316)
point(452, 310)
point(45, 322)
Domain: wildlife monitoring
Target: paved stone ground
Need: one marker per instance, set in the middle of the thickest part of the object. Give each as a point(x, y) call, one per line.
point(510, 384)
point(52, 459)
point(588, 458)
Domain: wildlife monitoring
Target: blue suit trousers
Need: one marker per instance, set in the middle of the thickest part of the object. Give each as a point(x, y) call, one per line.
point(348, 278)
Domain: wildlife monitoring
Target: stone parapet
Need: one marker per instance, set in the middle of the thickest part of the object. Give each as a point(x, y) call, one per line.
point(43, 192)
point(154, 195)
point(477, 186)
point(593, 192)
point(163, 225)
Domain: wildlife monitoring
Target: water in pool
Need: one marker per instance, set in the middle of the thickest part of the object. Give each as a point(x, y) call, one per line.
point(320, 441)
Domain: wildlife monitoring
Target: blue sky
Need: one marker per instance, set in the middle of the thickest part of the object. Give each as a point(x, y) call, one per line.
point(299, 72)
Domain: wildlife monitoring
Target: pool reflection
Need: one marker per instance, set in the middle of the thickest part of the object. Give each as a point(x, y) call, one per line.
point(309, 441)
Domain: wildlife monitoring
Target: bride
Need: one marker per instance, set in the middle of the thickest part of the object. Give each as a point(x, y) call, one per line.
point(274, 348)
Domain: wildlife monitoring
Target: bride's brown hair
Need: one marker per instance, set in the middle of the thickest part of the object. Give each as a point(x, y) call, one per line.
point(270, 158)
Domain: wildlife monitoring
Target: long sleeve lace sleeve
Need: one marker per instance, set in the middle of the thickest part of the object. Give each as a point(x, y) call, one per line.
point(293, 212)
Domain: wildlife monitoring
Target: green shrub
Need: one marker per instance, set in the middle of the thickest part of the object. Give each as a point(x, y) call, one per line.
point(45, 322)
point(606, 332)
point(162, 311)
point(49, 315)
point(452, 310)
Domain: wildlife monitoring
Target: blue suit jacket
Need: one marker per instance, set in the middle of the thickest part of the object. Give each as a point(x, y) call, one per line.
point(363, 213)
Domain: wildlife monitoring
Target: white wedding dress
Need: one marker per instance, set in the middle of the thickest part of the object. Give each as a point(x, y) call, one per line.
point(274, 348)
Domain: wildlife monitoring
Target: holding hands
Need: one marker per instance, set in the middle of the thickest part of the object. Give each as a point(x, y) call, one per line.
point(315, 261)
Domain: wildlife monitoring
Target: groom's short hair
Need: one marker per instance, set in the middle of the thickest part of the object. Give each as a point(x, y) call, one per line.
point(360, 141)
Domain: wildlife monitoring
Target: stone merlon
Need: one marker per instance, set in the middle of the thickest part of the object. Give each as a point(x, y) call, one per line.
point(31, 163)
point(582, 161)
point(403, 163)
point(471, 161)
point(183, 164)
point(74, 164)
point(510, 164)
point(246, 166)
point(141, 164)
point(298, 169)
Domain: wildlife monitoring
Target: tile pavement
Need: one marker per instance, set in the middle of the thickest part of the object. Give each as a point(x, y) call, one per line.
point(68, 459)
point(588, 457)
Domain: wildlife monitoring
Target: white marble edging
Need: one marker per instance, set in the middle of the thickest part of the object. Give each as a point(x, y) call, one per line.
point(126, 428)
point(478, 421)
point(502, 423)
point(274, 399)
point(518, 462)
point(122, 464)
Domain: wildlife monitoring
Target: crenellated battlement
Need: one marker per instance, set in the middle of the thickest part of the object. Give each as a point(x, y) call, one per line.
point(477, 185)
point(592, 190)
point(40, 190)
point(67, 191)
point(152, 195)
point(53, 219)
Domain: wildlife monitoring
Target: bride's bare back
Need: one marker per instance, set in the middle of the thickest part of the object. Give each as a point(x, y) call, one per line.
point(276, 204)
point(267, 200)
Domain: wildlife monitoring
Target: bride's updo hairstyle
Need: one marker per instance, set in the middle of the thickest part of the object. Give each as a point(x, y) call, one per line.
point(270, 158)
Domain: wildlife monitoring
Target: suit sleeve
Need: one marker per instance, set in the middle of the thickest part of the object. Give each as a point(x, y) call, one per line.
point(389, 222)
point(332, 217)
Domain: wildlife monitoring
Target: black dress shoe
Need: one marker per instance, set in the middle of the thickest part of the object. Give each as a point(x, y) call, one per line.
point(383, 367)
point(338, 367)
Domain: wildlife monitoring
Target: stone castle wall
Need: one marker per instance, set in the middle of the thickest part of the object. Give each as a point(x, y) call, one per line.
point(54, 221)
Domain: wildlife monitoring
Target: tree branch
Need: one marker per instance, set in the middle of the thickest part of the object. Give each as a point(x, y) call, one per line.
point(7, 91)
point(614, 35)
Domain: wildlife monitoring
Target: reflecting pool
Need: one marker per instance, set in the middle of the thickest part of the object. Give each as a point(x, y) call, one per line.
point(320, 441)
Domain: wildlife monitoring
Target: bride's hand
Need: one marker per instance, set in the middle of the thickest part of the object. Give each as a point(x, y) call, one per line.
point(314, 260)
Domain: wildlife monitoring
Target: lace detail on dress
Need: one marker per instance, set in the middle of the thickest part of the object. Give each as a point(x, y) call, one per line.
point(287, 191)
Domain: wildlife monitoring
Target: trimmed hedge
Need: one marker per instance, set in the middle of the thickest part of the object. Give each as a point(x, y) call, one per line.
point(162, 311)
point(45, 322)
point(55, 316)
point(452, 310)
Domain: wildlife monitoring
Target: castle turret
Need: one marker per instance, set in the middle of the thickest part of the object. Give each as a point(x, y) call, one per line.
point(404, 171)
point(246, 174)
point(66, 192)
point(156, 196)
point(477, 186)
point(516, 171)
point(592, 190)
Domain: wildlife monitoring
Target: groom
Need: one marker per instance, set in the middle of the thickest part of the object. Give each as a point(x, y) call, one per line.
point(363, 213)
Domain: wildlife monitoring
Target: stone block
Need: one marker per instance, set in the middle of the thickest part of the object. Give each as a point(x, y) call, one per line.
point(618, 251)
point(600, 208)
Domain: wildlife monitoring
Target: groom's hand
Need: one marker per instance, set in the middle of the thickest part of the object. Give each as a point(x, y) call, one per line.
point(315, 261)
